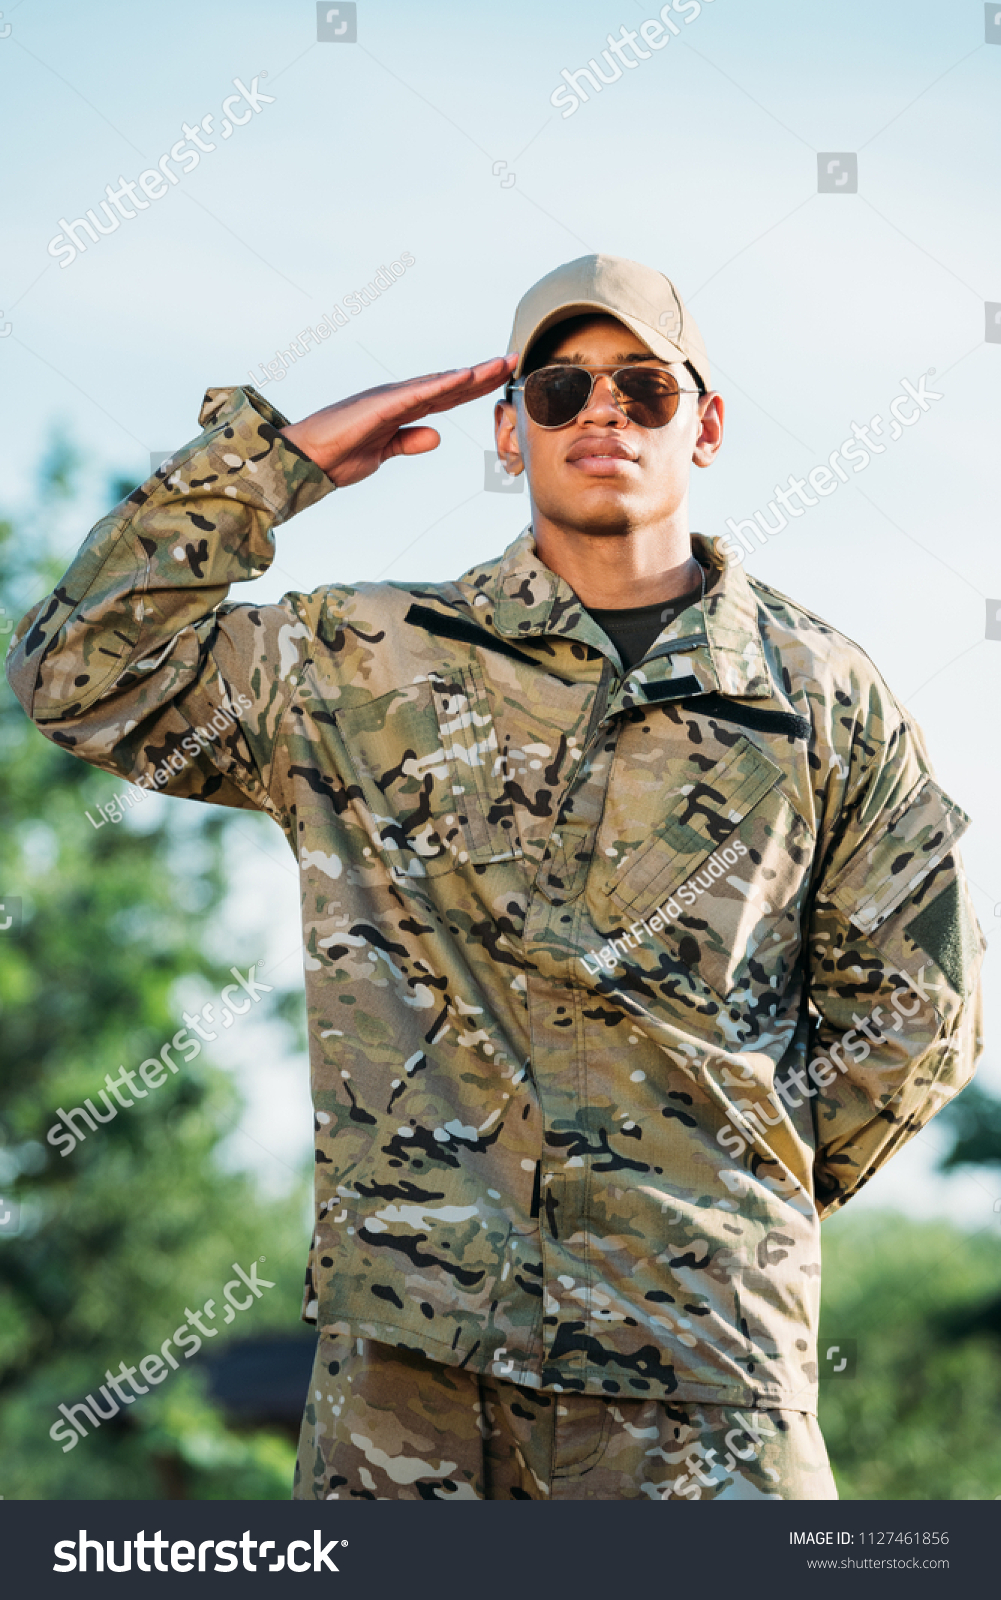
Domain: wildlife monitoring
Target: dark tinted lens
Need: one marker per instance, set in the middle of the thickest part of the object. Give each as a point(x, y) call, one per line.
point(554, 395)
point(650, 395)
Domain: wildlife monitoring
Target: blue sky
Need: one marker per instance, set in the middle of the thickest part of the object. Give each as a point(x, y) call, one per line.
point(701, 161)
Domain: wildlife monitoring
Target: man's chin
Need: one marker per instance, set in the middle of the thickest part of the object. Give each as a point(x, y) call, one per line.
point(612, 519)
point(596, 530)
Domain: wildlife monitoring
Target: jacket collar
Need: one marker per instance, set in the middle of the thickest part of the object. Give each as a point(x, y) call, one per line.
point(519, 597)
point(733, 631)
point(528, 599)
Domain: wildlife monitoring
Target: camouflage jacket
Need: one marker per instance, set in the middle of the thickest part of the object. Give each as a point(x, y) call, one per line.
point(617, 981)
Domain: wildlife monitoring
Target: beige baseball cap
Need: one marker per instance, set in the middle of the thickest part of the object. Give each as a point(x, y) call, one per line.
point(645, 300)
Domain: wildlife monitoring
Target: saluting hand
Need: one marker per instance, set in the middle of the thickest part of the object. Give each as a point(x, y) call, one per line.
point(351, 439)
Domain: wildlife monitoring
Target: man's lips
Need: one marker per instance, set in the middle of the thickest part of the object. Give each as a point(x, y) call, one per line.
point(599, 457)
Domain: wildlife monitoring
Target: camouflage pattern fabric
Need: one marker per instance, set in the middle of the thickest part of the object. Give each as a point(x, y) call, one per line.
point(577, 1165)
point(385, 1424)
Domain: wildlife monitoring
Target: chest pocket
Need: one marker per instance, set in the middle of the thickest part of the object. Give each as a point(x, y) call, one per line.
point(425, 757)
point(722, 878)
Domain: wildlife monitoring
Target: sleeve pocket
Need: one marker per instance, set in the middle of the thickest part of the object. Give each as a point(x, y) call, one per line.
point(914, 847)
point(905, 893)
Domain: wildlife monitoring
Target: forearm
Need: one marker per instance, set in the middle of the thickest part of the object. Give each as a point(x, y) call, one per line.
point(904, 1051)
point(163, 560)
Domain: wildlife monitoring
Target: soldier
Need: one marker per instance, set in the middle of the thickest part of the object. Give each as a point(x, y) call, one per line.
point(636, 935)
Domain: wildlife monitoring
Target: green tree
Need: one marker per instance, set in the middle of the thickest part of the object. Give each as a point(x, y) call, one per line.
point(921, 1419)
point(141, 1220)
point(974, 1119)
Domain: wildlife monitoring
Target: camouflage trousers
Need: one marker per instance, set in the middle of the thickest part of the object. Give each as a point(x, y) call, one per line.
point(387, 1424)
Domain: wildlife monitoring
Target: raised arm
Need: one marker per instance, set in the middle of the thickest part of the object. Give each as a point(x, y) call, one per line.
point(135, 663)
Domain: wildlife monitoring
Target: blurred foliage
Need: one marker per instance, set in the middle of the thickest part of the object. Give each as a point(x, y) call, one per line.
point(921, 1419)
point(974, 1119)
point(140, 1221)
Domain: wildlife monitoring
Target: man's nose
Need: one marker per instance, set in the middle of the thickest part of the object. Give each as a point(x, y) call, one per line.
point(605, 404)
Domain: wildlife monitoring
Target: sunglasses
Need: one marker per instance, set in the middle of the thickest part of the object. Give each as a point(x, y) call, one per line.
point(554, 396)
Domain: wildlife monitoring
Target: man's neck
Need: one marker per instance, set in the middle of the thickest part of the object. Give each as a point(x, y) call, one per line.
point(619, 571)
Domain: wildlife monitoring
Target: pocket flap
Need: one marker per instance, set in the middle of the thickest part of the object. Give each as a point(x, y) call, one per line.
point(424, 757)
point(703, 817)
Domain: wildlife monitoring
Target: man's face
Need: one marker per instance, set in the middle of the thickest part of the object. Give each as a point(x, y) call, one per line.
point(601, 473)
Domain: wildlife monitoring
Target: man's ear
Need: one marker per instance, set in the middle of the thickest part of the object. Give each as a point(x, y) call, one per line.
point(710, 437)
point(506, 437)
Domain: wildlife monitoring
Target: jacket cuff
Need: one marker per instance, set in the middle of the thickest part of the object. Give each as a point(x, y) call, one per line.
point(244, 429)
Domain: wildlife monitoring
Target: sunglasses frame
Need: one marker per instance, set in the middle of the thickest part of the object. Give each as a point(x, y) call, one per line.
point(596, 372)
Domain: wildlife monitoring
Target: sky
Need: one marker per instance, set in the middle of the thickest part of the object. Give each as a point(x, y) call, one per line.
point(432, 134)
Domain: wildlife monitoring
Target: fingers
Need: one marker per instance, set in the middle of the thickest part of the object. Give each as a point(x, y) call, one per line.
point(479, 380)
point(351, 437)
point(441, 391)
point(492, 371)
